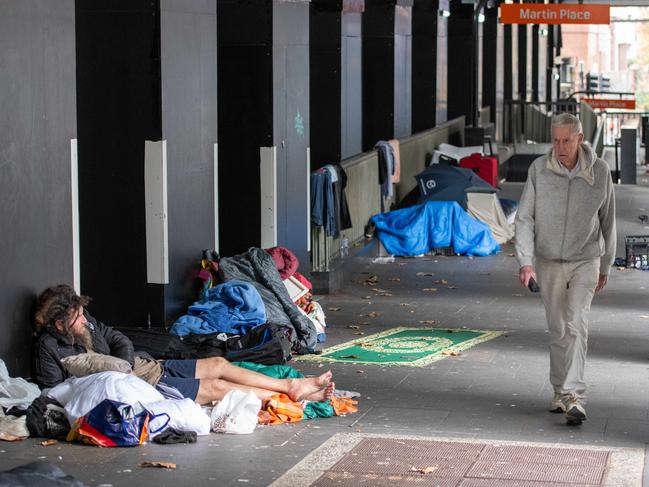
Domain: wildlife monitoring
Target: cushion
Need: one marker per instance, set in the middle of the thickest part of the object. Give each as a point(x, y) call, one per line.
point(90, 363)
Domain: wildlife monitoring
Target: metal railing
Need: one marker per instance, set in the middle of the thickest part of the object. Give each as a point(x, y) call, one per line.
point(615, 120)
point(529, 121)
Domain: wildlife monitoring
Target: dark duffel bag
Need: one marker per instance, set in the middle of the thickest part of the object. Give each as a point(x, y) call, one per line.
point(160, 344)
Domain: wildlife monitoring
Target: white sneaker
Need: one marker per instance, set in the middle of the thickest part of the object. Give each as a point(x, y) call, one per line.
point(575, 411)
point(557, 405)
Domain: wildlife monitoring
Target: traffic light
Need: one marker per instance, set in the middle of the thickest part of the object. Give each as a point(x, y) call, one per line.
point(592, 82)
point(604, 82)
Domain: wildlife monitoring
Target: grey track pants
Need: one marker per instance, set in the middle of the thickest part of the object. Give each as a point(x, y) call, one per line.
point(567, 289)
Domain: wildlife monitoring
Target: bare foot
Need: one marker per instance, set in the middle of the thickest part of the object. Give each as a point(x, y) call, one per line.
point(300, 389)
point(323, 395)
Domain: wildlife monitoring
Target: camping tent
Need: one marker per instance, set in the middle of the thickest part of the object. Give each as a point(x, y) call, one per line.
point(440, 182)
point(486, 208)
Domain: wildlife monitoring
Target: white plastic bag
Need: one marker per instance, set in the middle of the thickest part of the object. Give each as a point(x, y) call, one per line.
point(16, 391)
point(236, 413)
point(183, 415)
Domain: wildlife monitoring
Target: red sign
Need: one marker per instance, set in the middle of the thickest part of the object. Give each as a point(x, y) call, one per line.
point(610, 103)
point(526, 13)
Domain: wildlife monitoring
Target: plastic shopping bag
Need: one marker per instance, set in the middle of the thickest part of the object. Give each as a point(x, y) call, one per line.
point(113, 423)
point(15, 391)
point(236, 413)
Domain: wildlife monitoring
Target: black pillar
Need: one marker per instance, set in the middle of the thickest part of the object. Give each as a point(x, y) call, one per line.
point(522, 62)
point(325, 81)
point(146, 72)
point(424, 64)
point(489, 60)
point(37, 123)
point(507, 62)
point(549, 64)
point(460, 60)
point(535, 62)
point(378, 71)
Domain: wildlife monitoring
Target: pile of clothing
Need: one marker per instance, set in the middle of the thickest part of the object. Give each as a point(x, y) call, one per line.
point(329, 208)
point(287, 264)
point(252, 290)
point(389, 167)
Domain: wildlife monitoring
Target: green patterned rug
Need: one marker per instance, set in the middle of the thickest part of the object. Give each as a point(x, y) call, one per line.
point(413, 347)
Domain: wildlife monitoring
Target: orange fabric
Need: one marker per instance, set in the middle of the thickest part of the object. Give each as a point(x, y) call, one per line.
point(396, 177)
point(279, 409)
point(343, 405)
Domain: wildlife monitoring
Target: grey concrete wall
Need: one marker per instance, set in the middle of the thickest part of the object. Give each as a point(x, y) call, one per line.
point(402, 70)
point(37, 121)
point(351, 85)
point(291, 123)
point(189, 108)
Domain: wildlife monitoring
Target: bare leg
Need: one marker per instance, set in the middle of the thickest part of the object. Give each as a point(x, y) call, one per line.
point(296, 389)
point(215, 389)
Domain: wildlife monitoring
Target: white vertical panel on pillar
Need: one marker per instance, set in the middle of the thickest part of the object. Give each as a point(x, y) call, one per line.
point(155, 195)
point(216, 198)
point(268, 173)
point(74, 186)
point(308, 199)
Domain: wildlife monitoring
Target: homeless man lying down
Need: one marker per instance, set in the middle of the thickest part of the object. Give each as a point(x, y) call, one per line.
point(66, 329)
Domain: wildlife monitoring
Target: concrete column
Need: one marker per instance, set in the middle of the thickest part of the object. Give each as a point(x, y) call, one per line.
point(460, 60)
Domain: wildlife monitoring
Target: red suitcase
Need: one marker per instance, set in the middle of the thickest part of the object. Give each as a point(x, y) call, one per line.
point(484, 166)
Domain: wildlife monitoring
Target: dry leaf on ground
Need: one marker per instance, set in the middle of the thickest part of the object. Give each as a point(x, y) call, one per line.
point(334, 309)
point(371, 281)
point(350, 356)
point(395, 279)
point(405, 304)
point(359, 333)
point(425, 274)
point(424, 470)
point(429, 322)
point(430, 289)
point(156, 464)
point(451, 353)
point(441, 281)
point(353, 327)
point(373, 314)
point(49, 442)
point(451, 287)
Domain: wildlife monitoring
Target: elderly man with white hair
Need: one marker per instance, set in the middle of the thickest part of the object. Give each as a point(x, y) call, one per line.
point(565, 241)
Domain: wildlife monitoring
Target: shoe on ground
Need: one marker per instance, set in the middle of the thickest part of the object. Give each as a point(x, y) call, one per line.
point(575, 412)
point(557, 406)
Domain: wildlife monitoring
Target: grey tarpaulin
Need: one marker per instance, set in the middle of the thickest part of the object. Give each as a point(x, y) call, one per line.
point(258, 267)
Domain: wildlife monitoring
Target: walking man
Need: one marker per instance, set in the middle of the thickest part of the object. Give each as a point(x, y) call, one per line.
point(565, 241)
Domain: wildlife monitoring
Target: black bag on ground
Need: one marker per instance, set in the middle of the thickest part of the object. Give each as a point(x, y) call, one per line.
point(159, 343)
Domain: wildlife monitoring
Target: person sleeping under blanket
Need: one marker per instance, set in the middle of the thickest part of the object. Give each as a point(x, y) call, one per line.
point(65, 328)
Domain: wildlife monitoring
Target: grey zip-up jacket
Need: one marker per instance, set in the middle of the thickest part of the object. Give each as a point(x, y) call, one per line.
point(567, 219)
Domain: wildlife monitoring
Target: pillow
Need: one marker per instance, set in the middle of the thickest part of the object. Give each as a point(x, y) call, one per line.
point(90, 363)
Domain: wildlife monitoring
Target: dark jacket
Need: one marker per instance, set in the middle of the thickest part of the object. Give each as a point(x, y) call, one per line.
point(52, 346)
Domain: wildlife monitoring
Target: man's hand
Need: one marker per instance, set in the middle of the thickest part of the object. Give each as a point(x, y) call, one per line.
point(524, 275)
point(603, 279)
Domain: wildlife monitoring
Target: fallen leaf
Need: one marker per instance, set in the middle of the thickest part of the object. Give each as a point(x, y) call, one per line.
point(429, 322)
point(350, 356)
point(363, 344)
point(359, 333)
point(335, 309)
point(451, 287)
point(49, 442)
point(373, 314)
point(424, 470)
point(430, 289)
point(441, 281)
point(367, 297)
point(371, 281)
point(425, 274)
point(512, 255)
point(364, 323)
point(353, 327)
point(360, 372)
point(405, 304)
point(157, 464)
point(451, 353)
point(395, 279)
point(384, 294)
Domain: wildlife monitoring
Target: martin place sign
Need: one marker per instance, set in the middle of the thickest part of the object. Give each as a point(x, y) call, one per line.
point(529, 13)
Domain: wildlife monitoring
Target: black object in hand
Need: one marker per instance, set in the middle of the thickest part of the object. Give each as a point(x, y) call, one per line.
point(533, 286)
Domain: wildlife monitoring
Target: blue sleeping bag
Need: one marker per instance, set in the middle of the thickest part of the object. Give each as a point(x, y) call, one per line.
point(421, 228)
point(234, 307)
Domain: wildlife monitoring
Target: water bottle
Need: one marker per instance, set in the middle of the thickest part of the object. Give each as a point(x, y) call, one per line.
point(344, 246)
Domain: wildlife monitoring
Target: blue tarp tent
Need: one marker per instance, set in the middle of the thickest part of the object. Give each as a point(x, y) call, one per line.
point(434, 224)
point(440, 182)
